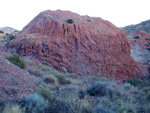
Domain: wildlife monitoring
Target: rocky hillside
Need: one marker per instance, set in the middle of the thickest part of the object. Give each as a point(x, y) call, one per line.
point(139, 36)
point(14, 82)
point(77, 44)
point(143, 26)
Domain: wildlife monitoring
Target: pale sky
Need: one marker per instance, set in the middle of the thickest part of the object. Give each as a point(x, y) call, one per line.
point(18, 13)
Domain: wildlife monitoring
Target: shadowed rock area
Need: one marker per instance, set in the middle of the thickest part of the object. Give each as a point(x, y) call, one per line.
point(86, 46)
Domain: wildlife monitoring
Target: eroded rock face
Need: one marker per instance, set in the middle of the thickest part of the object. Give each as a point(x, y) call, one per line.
point(88, 46)
point(140, 46)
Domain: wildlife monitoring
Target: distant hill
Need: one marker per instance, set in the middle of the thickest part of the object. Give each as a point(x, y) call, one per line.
point(8, 29)
point(143, 26)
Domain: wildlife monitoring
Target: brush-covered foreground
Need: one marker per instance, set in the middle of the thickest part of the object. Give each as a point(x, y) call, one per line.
point(70, 93)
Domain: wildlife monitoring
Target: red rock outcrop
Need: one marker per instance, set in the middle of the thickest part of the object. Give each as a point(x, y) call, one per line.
point(88, 46)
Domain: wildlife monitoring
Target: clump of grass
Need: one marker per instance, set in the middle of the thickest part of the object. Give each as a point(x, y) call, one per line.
point(48, 69)
point(70, 21)
point(101, 78)
point(35, 72)
point(45, 93)
point(71, 75)
point(125, 107)
point(62, 80)
point(51, 79)
point(31, 63)
point(34, 103)
point(14, 109)
point(17, 60)
point(61, 77)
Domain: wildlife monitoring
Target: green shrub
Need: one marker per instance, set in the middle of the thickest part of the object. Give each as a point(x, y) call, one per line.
point(45, 93)
point(7, 34)
point(2, 104)
point(58, 106)
point(35, 72)
point(11, 37)
point(70, 21)
point(146, 89)
point(135, 81)
point(148, 97)
point(48, 69)
point(147, 39)
point(88, 20)
point(13, 109)
point(136, 37)
point(1, 31)
point(31, 63)
point(147, 45)
point(34, 103)
point(125, 107)
point(17, 60)
point(43, 67)
point(51, 79)
point(101, 89)
point(62, 80)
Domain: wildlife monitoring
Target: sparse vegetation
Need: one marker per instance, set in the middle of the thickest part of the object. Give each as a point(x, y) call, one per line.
point(17, 60)
point(70, 21)
point(35, 72)
point(85, 94)
point(45, 93)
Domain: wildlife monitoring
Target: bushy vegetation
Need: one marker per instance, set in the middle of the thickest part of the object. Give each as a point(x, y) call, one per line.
point(45, 93)
point(34, 103)
point(1, 31)
point(51, 79)
point(35, 72)
point(136, 37)
point(70, 21)
point(13, 109)
point(11, 37)
point(52, 72)
point(85, 94)
point(88, 20)
point(17, 60)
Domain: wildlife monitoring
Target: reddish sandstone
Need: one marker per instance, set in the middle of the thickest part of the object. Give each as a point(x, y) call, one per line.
point(88, 46)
